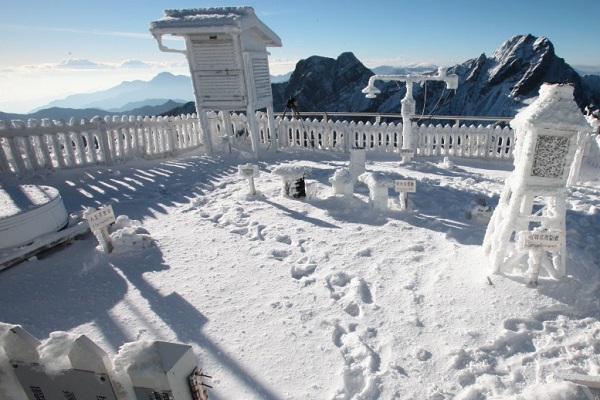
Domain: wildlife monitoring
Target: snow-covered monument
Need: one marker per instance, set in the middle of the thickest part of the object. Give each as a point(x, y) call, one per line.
point(228, 60)
point(532, 205)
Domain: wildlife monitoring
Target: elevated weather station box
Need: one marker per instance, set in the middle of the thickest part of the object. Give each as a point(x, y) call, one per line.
point(228, 60)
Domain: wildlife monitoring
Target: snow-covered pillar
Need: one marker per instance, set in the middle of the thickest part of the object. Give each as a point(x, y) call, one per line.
point(273, 128)
point(253, 127)
point(546, 136)
point(408, 109)
point(378, 185)
point(358, 160)
point(206, 139)
point(576, 166)
point(342, 182)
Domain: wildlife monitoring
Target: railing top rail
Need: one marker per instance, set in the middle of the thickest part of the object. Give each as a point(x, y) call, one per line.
point(399, 116)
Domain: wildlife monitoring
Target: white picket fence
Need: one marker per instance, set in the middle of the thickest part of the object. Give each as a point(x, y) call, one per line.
point(490, 142)
point(36, 145)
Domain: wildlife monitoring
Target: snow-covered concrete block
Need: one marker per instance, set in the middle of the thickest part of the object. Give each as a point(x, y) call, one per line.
point(292, 177)
point(358, 159)
point(378, 185)
point(342, 182)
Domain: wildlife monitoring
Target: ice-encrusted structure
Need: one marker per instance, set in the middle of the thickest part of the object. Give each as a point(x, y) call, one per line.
point(534, 198)
point(228, 60)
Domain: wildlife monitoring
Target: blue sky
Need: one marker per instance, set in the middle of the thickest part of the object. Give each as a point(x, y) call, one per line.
point(53, 48)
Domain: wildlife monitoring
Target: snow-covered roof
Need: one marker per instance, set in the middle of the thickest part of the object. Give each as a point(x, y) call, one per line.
point(213, 20)
point(555, 108)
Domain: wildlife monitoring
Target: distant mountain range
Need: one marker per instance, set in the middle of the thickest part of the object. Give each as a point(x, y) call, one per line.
point(163, 93)
point(164, 86)
point(58, 113)
point(498, 85)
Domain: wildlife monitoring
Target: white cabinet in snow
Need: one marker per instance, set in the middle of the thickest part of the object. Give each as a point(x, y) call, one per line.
point(226, 49)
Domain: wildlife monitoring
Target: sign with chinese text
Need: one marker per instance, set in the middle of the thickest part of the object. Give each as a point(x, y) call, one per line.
point(408, 186)
point(100, 218)
point(546, 240)
point(248, 171)
point(407, 152)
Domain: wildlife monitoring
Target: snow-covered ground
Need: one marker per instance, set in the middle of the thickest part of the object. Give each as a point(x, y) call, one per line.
point(319, 298)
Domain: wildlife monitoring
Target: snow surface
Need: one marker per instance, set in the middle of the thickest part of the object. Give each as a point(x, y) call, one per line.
point(23, 198)
point(321, 298)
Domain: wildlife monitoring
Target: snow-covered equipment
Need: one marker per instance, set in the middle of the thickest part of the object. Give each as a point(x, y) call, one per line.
point(534, 197)
point(64, 366)
point(342, 182)
point(228, 60)
point(161, 370)
point(358, 160)
point(408, 103)
point(249, 172)
point(378, 185)
point(67, 366)
point(292, 177)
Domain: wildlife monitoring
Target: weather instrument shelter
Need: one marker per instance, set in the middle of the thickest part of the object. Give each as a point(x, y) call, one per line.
point(228, 60)
point(532, 206)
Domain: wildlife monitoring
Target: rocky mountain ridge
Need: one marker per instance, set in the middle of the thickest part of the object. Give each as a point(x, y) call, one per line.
point(498, 85)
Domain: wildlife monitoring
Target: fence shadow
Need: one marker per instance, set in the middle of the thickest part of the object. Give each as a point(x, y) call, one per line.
point(139, 188)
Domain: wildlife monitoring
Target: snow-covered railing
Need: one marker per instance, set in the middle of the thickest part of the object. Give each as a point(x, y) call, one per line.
point(488, 142)
point(35, 145)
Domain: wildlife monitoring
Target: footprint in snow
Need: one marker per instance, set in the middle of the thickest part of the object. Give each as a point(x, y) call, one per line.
point(280, 254)
point(303, 270)
point(352, 292)
point(283, 239)
point(361, 364)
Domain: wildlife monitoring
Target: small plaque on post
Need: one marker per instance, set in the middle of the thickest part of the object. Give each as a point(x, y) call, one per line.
point(99, 221)
point(407, 153)
point(101, 218)
point(248, 171)
point(549, 241)
point(406, 186)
